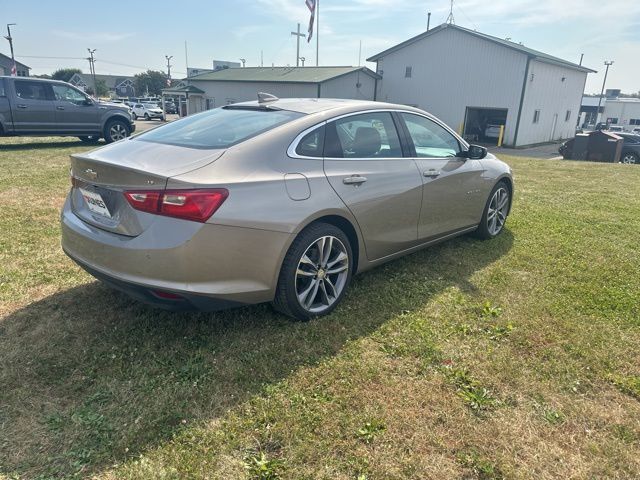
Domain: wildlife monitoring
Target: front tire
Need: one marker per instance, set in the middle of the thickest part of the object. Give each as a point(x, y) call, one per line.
point(495, 212)
point(146, 116)
point(90, 139)
point(115, 130)
point(315, 274)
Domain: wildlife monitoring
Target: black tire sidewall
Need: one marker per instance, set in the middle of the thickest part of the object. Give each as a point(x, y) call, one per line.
point(636, 157)
point(286, 300)
point(483, 228)
point(111, 123)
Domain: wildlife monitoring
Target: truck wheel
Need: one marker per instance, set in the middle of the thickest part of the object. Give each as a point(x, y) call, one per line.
point(115, 130)
point(90, 139)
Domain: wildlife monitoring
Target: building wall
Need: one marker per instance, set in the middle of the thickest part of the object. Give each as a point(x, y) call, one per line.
point(452, 70)
point(624, 110)
point(552, 96)
point(346, 87)
point(224, 93)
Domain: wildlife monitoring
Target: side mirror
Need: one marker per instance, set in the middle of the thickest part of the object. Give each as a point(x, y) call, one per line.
point(475, 152)
point(88, 102)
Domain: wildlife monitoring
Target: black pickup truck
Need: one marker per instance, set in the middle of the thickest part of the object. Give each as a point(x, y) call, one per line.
point(39, 107)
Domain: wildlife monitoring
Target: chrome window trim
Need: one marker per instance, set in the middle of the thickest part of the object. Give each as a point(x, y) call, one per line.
point(291, 151)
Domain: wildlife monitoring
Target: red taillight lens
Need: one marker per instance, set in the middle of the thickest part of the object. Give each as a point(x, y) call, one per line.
point(195, 205)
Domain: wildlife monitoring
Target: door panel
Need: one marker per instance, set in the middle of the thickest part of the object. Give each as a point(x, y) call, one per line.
point(33, 110)
point(451, 197)
point(72, 112)
point(364, 165)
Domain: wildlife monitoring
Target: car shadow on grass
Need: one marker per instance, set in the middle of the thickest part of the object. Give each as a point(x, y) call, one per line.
point(90, 378)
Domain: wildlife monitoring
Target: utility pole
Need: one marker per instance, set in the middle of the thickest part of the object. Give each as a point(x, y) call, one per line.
point(243, 60)
point(581, 57)
point(428, 20)
point(608, 63)
point(92, 67)
point(168, 57)
point(262, 58)
point(317, 33)
point(360, 53)
point(302, 59)
point(14, 69)
point(450, 18)
point(298, 36)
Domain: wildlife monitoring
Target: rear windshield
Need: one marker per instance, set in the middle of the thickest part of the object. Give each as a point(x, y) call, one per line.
point(219, 128)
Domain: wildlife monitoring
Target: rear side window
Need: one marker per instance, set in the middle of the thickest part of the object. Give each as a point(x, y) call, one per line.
point(312, 144)
point(33, 90)
point(369, 135)
point(219, 128)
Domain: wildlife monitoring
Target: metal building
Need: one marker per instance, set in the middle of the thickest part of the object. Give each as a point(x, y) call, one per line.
point(234, 85)
point(476, 83)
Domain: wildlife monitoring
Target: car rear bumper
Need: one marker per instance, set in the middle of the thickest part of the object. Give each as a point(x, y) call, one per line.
point(209, 266)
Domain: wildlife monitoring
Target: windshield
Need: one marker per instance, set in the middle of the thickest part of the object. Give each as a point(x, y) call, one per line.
point(219, 128)
point(150, 105)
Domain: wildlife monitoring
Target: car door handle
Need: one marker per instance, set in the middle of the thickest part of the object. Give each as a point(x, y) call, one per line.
point(21, 105)
point(431, 173)
point(354, 180)
point(59, 107)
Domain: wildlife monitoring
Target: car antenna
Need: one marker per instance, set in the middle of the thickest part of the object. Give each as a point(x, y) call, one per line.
point(266, 97)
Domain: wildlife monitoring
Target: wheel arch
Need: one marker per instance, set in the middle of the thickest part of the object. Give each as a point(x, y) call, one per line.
point(117, 116)
point(509, 182)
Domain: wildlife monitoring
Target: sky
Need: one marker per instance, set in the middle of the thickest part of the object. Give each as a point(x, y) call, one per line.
point(130, 37)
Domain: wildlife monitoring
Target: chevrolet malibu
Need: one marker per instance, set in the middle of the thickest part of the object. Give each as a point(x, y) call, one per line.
point(279, 200)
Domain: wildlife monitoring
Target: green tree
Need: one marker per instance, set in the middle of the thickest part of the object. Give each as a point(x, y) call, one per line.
point(102, 88)
point(65, 74)
point(151, 80)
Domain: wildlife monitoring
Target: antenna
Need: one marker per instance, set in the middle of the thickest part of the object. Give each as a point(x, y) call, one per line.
point(450, 18)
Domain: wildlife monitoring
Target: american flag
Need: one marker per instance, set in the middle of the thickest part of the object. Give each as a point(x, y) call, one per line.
point(14, 70)
point(311, 4)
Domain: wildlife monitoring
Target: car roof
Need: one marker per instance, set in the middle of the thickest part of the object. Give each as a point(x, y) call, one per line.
point(317, 105)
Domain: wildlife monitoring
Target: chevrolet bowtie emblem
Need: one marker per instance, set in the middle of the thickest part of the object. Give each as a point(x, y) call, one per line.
point(92, 174)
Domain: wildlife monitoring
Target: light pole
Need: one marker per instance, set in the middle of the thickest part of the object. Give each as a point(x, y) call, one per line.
point(243, 60)
point(168, 57)
point(302, 59)
point(608, 63)
point(93, 70)
point(14, 70)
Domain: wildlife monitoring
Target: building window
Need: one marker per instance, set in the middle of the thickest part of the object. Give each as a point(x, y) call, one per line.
point(536, 116)
point(634, 121)
point(407, 72)
point(567, 117)
point(612, 120)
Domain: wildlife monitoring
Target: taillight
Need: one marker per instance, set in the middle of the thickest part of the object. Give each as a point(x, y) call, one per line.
point(195, 205)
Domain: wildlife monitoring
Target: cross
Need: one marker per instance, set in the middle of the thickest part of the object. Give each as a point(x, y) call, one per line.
point(298, 35)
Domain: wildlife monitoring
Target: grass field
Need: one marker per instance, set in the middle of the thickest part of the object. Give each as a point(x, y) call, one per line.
point(512, 358)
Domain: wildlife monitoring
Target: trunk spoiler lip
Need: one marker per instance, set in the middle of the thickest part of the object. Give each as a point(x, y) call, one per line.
point(84, 157)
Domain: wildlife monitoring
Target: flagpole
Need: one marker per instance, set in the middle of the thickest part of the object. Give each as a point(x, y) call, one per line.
point(317, 33)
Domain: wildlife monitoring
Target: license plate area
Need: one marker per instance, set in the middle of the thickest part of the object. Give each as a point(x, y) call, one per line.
point(95, 203)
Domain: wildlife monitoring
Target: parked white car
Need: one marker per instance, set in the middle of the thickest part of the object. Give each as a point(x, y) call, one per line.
point(146, 111)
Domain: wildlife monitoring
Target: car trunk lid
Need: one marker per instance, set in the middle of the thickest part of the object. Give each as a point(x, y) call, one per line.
point(101, 176)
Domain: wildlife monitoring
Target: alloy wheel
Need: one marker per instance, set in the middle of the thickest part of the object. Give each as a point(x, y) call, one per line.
point(322, 274)
point(498, 210)
point(118, 132)
point(629, 158)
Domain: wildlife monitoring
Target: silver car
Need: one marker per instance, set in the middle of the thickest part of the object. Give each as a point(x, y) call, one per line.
point(279, 200)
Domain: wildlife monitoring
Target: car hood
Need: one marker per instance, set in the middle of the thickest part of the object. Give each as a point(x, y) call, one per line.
point(114, 105)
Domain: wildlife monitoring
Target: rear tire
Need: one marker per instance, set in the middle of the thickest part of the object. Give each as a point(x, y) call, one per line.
point(630, 158)
point(116, 130)
point(495, 212)
point(135, 117)
point(146, 116)
point(315, 273)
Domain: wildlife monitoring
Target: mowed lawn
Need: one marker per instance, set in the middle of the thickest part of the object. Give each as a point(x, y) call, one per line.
point(512, 358)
